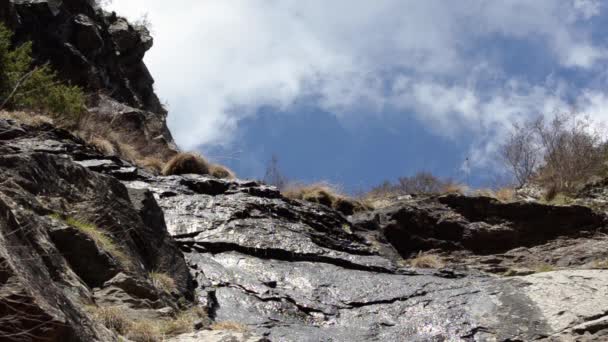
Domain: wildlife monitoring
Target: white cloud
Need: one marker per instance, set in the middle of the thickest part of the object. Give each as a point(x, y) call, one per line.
point(219, 61)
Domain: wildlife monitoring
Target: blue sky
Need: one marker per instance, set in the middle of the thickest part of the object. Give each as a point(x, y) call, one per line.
point(357, 92)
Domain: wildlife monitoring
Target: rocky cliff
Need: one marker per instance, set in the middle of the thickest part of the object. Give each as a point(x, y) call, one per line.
point(82, 234)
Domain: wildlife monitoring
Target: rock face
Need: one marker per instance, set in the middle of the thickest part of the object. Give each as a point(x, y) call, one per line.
point(103, 54)
point(274, 269)
point(80, 230)
point(51, 266)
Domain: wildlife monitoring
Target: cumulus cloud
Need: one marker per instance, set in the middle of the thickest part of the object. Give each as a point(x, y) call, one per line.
point(218, 62)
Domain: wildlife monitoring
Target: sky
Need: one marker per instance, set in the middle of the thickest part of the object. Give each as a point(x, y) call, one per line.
point(355, 92)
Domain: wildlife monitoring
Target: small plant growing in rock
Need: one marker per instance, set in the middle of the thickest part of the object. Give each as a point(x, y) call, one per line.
point(220, 171)
point(540, 268)
point(229, 325)
point(102, 239)
point(163, 282)
point(326, 194)
point(25, 86)
point(427, 261)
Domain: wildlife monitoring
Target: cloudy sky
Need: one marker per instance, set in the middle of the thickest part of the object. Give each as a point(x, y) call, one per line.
point(357, 91)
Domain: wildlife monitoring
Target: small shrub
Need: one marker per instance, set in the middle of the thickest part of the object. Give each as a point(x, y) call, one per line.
point(220, 171)
point(163, 282)
point(229, 325)
point(23, 86)
point(427, 261)
point(184, 163)
point(101, 238)
point(273, 175)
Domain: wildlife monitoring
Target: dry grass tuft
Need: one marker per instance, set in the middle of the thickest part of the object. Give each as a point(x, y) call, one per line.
point(27, 118)
point(184, 322)
point(184, 163)
point(128, 152)
point(505, 194)
point(427, 261)
point(229, 325)
point(148, 330)
point(220, 171)
point(163, 282)
point(104, 146)
point(113, 318)
point(543, 267)
point(601, 264)
point(326, 194)
point(454, 188)
point(152, 164)
point(144, 331)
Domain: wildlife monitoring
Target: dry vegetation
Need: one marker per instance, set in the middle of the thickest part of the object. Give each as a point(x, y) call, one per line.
point(220, 171)
point(147, 330)
point(326, 194)
point(560, 154)
point(185, 163)
point(229, 325)
point(101, 238)
point(163, 282)
point(426, 261)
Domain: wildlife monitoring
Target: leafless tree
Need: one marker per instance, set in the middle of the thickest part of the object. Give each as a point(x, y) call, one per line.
point(273, 175)
point(521, 153)
point(561, 152)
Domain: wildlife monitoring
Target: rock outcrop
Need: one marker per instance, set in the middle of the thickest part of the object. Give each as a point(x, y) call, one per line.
point(278, 269)
point(80, 231)
point(71, 238)
point(103, 53)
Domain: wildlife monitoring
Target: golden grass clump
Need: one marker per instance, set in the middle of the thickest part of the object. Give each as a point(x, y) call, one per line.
point(153, 164)
point(27, 118)
point(103, 146)
point(229, 325)
point(184, 163)
point(325, 194)
point(184, 321)
point(427, 261)
point(148, 330)
point(220, 171)
point(163, 282)
point(113, 318)
point(505, 194)
point(144, 331)
point(454, 188)
point(127, 152)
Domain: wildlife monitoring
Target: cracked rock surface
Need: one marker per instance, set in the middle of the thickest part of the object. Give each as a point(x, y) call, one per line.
point(295, 271)
point(275, 269)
